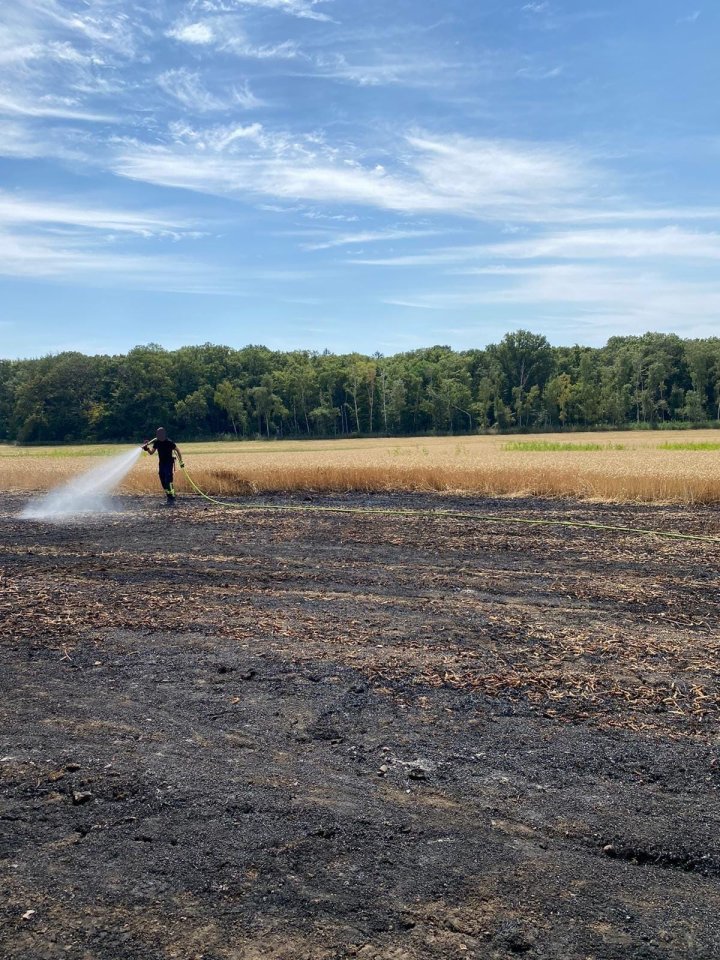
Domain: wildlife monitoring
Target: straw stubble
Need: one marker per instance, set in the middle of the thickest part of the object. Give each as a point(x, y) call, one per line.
point(609, 467)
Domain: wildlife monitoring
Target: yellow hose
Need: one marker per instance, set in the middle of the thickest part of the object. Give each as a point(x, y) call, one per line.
point(450, 514)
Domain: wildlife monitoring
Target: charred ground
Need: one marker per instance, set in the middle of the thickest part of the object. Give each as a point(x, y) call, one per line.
point(233, 735)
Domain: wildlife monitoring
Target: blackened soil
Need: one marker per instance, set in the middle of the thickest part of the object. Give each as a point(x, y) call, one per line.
point(232, 735)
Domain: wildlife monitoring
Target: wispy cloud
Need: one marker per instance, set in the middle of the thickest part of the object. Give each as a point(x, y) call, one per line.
point(59, 139)
point(453, 174)
point(56, 257)
point(305, 9)
point(285, 50)
point(17, 140)
point(363, 135)
point(59, 62)
point(200, 33)
point(114, 26)
point(382, 70)
point(216, 139)
point(19, 211)
point(187, 88)
point(368, 236)
point(623, 244)
point(486, 176)
point(551, 16)
point(50, 108)
point(73, 242)
point(630, 214)
point(628, 300)
point(539, 73)
point(16, 54)
point(245, 98)
point(227, 34)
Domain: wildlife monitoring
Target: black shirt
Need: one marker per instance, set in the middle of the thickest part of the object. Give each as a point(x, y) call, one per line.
point(164, 450)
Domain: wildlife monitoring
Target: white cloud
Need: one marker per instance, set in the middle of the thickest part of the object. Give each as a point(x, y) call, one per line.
point(227, 34)
point(18, 211)
point(286, 50)
point(621, 244)
point(33, 137)
point(603, 214)
point(486, 175)
point(383, 70)
point(368, 236)
point(33, 256)
point(14, 106)
point(216, 139)
point(64, 65)
point(245, 98)
point(11, 55)
point(420, 304)
point(690, 18)
point(193, 33)
point(111, 25)
point(455, 175)
point(633, 301)
point(305, 9)
point(539, 73)
point(639, 279)
point(18, 140)
point(615, 244)
point(77, 242)
point(56, 56)
point(269, 172)
point(187, 88)
point(57, 259)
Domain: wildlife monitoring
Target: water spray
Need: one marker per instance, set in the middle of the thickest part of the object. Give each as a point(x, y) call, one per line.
point(87, 494)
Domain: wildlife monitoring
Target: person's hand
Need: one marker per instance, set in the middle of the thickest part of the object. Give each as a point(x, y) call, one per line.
point(182, 464)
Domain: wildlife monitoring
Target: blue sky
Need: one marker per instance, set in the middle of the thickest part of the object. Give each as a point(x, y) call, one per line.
point(356, 174)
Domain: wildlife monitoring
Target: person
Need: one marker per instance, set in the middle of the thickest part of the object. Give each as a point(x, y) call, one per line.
point(167, 451)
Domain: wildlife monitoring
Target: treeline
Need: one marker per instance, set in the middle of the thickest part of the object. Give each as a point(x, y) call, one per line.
point(521, 383)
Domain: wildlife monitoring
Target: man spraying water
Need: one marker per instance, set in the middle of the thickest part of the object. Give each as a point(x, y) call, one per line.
point(167, 451)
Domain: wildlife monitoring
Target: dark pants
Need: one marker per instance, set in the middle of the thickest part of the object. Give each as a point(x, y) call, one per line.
point(166, 476)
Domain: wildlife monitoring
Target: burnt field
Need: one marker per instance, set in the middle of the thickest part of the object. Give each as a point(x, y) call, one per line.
point(302, 736)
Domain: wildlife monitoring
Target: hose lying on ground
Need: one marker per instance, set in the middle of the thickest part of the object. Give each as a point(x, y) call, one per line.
point(448, 514)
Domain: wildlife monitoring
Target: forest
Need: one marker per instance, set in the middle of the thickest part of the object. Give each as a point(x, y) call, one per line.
point(522, 383)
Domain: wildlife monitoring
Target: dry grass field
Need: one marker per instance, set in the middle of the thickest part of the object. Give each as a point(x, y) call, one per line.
point(681, 468)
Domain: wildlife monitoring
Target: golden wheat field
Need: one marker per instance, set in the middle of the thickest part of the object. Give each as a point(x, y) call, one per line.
point(647, 467)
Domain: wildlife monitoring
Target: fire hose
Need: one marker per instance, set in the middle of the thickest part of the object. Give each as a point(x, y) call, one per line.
point(446, 514)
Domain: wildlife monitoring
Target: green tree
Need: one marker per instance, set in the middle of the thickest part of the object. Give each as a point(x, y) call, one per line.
point(693, 408)
point(560, 395)
point(524, 360)
point(229, 398)
point(191, 412)
point(269, 408)
point(301, 389)
point(145, 394)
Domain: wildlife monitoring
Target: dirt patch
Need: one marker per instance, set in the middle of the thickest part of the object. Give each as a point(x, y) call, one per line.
point(230, 736)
